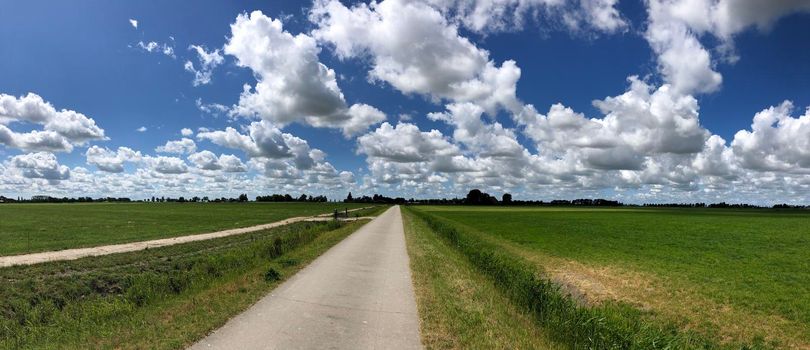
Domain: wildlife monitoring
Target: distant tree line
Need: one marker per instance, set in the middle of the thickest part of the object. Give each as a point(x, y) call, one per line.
point(49, 199)
point(477, 197)
point(376, 198)
point(289, 198)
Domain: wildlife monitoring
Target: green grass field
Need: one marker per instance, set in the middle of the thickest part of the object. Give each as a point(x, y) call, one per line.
point(163, 298)
point(41, 227)
point(734, 276)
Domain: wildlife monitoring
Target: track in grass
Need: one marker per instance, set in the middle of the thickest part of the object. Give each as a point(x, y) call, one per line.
point(164, 298)
point(26, 228)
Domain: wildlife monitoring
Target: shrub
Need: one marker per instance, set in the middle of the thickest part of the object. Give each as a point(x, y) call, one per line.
point(272, 275)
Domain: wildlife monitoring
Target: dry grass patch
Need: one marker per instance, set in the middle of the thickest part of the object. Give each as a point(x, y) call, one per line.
point(670, 300)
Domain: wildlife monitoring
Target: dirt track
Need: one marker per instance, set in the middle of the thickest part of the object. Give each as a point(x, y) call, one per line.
point(77, 253)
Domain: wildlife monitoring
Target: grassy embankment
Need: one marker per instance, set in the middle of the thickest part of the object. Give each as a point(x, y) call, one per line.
point(459, 308)
point(693, 278)
point(163, 298)
point(28, 228)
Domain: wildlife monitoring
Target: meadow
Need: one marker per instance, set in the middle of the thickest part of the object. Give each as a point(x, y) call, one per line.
point(690, 277)
point(26, 228)
point(163, 298)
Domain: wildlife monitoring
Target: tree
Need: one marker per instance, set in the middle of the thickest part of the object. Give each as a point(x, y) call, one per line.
point(349, 198)
point(507, 198)
point(243, 197)
point(474, 196)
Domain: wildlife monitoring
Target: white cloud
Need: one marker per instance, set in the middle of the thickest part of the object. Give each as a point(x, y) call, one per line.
point(682, 59)
point(155, 47)
point(133, 23)
point(207, 160)
point(182, 146)
point(231, 163)
point(109, 161)
point(167, 165)
point(141, 129)
point(62, 129)
point(489, 16)
point(776, 141)
point(412, 47)
point(208, 61)
point(362, 116)
point(214, 109)
point(405, 143)
point(186, 132)
point(293, 85)
point(675, 27)
point(264, 141)
point(35, 140)
point(40, 165)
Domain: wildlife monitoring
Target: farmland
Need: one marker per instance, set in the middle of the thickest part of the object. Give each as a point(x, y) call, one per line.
point(713, 276)
point(164, 298)
point(41, 227)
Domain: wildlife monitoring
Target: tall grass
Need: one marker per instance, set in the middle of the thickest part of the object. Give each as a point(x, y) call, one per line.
point(45, 304)
point(606, 326)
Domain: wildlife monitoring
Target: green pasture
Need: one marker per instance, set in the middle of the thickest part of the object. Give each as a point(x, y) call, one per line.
point(753, 261)
point(42, 227)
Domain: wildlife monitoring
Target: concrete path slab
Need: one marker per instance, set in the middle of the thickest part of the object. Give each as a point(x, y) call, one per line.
point(357, 295)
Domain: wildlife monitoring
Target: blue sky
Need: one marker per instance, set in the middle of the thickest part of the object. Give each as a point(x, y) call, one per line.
point(88, 57)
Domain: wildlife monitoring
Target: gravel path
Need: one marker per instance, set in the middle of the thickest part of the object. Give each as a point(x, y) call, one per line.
point(357, 295)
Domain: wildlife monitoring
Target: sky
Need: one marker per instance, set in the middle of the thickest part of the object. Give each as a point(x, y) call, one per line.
point(643, 101)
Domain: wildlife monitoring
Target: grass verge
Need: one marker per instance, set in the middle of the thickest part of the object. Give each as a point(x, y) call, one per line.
point(610, 325)
point(458, 307)
point(164, 298)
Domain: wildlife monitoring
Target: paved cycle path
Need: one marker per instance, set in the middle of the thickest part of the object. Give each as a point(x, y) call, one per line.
point(357, 295)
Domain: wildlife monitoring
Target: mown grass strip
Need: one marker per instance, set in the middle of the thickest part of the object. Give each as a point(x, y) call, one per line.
point(607, 326)
point(162, 298)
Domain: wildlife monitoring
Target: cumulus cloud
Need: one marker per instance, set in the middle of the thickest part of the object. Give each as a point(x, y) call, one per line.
point(274, 153)
point(207, 160)
point(109, 161)
point(405, 143)
point(35, 140)
point(133, 23)
point(182, 146)
point(292, 84)
point(675, 27)
point(62, 129)
point(186, 132)
point(415, 49)
point(141, 129)
point(166, 165)
point(40, 165)
point(264, 140)
point(776, 141)
point(208, 61)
